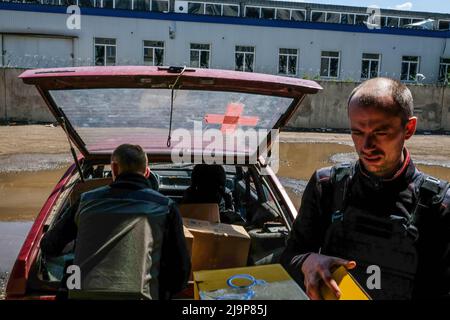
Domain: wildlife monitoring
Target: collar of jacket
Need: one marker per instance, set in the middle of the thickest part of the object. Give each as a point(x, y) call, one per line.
point(133, 181)
point(401, 178)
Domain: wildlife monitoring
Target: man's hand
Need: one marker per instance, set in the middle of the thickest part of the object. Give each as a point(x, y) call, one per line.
point(317, 268)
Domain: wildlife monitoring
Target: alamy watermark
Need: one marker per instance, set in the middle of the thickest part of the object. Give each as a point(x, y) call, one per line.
point(374, 18)
point(233, 146)
point(73, 22)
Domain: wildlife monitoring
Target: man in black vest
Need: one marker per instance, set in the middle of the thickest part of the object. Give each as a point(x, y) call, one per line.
point(130, 241)
point(377, 215)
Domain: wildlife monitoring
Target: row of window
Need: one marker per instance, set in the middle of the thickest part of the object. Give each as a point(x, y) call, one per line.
point(200, 57)
point(144, 5)
point(231, 10)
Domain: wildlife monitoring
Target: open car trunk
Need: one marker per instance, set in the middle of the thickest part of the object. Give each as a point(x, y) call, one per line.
point(181, 117)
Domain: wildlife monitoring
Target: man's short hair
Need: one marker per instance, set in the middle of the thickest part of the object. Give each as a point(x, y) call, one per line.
point(404, 104)
point(130, 158)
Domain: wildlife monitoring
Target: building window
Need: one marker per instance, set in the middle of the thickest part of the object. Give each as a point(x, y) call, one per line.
point(333, 17)
point(52, 2)
point(444, 25)
point(268, 13)
point(160, 6)
point(105, 51)
point(230, 10)
point(361, 18)
point(444, 70)
point(392, 22)
point(370, 66)
point(63, 2)
point(213, 9)
point(298, 15)
point(283, 14)
point(318, 16)
point(142, 5)
point(123, 4)
point(252, 12)
point(244, 58)
point(287, 61)
point(347, 18)
point(85, 3)
point(108, 4)
point(196, 8)
point(329, 65)
point(410, 68)
point(404, 22)
point(200, 55)
point(153, 53)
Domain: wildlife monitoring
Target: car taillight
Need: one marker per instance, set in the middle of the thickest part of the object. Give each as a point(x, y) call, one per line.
point(17, 281)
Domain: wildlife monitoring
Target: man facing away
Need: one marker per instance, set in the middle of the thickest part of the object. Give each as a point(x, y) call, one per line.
point(130, 242)
point(380, 217)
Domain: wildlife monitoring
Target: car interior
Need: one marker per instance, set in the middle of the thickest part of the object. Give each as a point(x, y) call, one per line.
point(256, 207)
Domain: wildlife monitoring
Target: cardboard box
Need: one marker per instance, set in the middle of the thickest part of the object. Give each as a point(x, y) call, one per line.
point(274, 274)
point(189, 239)
point(200, 211)
point(217, 245)
point(350, 288)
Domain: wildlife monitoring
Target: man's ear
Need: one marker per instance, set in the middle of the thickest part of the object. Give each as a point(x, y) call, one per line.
point(114, 169)
point(411, 127)
point(147, 172)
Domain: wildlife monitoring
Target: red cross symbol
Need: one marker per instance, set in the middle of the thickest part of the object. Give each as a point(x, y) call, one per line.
point(232, 118)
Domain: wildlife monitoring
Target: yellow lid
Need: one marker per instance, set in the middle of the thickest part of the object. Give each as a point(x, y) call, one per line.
point(350, 289)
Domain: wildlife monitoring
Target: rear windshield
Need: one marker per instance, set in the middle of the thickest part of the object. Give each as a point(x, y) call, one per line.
point(106, 118)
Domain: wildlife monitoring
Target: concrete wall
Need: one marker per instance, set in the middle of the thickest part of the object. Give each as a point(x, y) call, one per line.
point(445, 121)
point(20, 102)
point(2, 96)
point(328, 109)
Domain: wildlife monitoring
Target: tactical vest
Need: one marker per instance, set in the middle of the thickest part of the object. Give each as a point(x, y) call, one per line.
point(119, 243)
point(384, 248)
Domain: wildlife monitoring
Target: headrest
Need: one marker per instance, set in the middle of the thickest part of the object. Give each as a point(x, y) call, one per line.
point(210, 176)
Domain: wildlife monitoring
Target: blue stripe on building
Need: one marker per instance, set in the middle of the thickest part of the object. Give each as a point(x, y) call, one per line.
point(224, 20)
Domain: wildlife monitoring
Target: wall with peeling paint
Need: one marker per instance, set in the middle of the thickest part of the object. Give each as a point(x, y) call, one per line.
point(20, 102)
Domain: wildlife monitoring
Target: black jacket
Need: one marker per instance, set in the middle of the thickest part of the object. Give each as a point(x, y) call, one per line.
point(375, 197)
point(174, 258)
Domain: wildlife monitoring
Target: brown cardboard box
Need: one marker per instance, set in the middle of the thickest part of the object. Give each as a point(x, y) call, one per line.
point(217, 245)
point(200, 211)
point(189, 239)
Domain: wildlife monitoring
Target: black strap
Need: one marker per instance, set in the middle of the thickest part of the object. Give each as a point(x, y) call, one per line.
point(431, 192)
point(341, 177)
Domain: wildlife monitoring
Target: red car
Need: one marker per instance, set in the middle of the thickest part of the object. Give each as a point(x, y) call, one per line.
point(173, 113)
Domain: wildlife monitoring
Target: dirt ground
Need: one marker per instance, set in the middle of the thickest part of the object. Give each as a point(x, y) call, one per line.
point(44, 139)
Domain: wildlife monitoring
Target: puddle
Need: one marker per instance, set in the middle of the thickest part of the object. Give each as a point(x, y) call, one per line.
point(12, 236)
point(298, 161)
point(23, 194)
point(33, 162)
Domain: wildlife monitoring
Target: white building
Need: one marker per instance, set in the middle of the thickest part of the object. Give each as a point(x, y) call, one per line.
point(295, 39)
